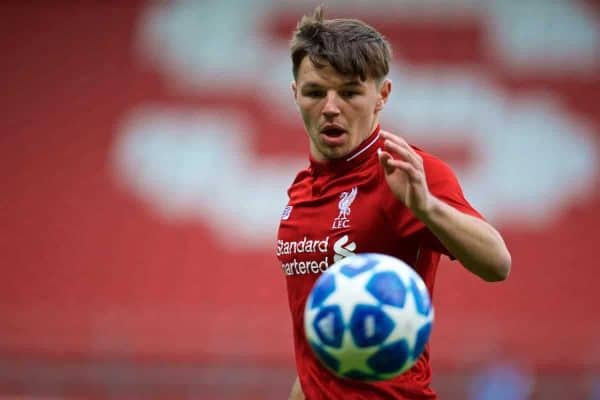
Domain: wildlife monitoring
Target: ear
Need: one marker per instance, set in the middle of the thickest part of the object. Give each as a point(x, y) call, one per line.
point(294, 91)
point(384, 92)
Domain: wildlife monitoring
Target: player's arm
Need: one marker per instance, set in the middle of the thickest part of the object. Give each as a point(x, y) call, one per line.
point(296, 393)
point(474, 242)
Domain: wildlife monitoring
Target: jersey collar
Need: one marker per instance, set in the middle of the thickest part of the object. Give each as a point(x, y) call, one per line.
point(354, 158)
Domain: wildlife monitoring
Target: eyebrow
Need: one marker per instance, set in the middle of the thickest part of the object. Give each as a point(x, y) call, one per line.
point(316, 85)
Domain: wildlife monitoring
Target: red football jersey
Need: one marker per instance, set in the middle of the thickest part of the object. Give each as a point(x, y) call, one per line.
point(343, 207)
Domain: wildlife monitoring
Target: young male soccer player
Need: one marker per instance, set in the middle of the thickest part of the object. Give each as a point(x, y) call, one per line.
point(366, 190)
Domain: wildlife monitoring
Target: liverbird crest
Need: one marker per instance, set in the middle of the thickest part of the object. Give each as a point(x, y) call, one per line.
point(346, 200)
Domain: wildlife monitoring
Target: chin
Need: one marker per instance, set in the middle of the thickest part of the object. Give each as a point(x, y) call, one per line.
point(337, 153)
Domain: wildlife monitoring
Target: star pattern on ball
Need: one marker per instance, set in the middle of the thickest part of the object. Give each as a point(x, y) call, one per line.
point(350, 292)
point(371, 319)
point(351, 357)
point(408, 322)
point(310, 316)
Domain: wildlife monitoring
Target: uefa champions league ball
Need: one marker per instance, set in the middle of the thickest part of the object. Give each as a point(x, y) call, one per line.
point(368, 317)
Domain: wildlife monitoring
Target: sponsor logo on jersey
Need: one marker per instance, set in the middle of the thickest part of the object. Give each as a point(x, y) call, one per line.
point(346, 200)
point(311, 256)
point(343, 249)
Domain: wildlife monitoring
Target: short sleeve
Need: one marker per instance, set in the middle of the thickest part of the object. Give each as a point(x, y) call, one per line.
point(444, 185)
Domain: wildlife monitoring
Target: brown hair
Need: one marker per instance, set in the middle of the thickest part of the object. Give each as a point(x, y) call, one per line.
point(350, 46)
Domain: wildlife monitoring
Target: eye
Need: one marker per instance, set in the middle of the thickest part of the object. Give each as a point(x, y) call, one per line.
point(314, 93)
point(348, 94)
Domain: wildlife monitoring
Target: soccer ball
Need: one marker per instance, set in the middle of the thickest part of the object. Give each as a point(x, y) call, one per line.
point(368, 317)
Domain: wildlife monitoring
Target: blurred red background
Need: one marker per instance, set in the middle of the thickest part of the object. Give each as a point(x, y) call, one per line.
point(99, 270)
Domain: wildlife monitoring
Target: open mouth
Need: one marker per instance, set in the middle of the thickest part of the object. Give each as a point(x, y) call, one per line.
point(333, 131)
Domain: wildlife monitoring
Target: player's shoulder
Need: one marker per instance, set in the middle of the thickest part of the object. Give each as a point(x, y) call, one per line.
point(302, 175)
point(302, 178)
point(438, 172)
point(432, 163)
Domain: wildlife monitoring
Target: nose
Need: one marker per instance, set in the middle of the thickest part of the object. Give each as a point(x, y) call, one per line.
point(330, 108)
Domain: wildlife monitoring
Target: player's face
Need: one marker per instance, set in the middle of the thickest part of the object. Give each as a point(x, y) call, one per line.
point(339, 112)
